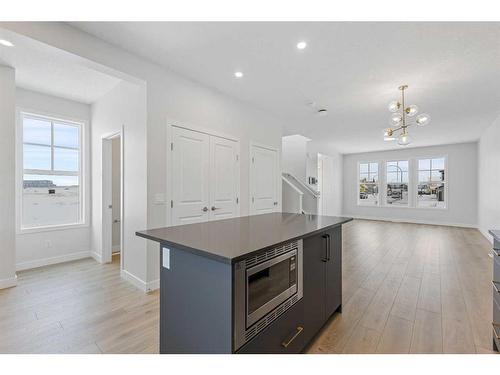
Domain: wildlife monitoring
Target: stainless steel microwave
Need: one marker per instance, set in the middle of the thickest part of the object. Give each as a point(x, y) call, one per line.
point(265, 286)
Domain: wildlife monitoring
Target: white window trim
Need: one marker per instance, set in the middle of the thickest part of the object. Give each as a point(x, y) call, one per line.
point(82, 124)
point(446, 179)
point(384, 185)
point(412, 183)
point(360, 202)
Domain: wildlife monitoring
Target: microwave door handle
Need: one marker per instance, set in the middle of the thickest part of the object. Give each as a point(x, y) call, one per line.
point(325, 259)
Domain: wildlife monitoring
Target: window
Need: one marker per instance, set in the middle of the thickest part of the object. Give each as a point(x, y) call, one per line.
point(51, 158)
point(397, 183)
point(431, 183)
point(368, 184)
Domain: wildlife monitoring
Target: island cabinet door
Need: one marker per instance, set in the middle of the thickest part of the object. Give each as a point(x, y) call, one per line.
point(314, 283)
point(333, 271)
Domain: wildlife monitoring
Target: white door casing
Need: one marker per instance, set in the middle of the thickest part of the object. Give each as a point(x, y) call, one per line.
point(190, 176)
point(263, 180)
point(224, 178)
point(325, 184)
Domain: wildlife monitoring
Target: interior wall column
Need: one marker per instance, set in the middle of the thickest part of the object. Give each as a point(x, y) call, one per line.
point(7, 177)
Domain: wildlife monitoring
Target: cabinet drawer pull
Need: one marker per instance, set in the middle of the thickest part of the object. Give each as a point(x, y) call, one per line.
point(495, 286)
point(496, 252)
point(327, 243)
point(297, 332)
point(495, 326)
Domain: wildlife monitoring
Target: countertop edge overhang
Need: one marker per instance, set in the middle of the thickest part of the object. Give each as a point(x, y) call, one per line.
point(231, 260)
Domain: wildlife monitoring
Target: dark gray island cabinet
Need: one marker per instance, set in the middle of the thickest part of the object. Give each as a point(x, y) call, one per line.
point(254, 284)
point(496, 289)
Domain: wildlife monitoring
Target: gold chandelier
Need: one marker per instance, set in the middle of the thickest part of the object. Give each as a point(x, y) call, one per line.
point(402, 118)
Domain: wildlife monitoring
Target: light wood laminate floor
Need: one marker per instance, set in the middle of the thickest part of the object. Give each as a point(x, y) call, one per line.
point(407, 289)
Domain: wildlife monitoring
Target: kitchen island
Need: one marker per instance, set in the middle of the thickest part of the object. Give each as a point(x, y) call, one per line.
point(253, 284)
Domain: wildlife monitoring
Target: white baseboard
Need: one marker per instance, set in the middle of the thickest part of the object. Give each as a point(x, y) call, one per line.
point(413, 221)
point(8, 283)
point(153, 285)
point(52, 260)
point(96, 256)
point(115, 248)
point(139, 283)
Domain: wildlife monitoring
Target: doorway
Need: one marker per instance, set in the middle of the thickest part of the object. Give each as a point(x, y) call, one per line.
point(112, 198)
point(264, 178)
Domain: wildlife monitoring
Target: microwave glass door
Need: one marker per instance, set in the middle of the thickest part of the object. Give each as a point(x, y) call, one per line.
point(271, 283)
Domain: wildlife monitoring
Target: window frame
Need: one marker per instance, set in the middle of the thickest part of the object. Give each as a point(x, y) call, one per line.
point(445, 182)
point(409, 173)
point(358, 183)
point(81, 174)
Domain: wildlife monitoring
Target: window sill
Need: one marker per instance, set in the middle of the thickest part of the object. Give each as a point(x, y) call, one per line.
point(368, 205)
point(51, 228)
point(432, 208)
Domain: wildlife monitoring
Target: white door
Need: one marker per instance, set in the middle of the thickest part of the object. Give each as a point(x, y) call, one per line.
point(263, 180)
point(190, 177)
point(224, 178)
point(326, 177)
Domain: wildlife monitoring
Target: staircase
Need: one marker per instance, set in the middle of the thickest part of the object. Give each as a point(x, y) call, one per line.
point(298, 197)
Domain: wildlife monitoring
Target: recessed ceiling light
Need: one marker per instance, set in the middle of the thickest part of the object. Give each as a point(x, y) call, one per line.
point(301, 45)
point(6, 43)
point(238, 74)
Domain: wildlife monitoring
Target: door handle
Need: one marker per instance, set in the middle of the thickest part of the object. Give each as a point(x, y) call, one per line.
point(215, 208)
point(325, 259)
point(328, 248)
point(298, 331)
point(205, 209)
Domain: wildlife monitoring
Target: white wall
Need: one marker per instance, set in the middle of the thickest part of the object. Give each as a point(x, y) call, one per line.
point(174, 100)
point(489, 179)
point(336, 186)
point(171, 99)
point(294, 156)
point(125, 106)
point(462, 201)
point(7, 180)
point(35, 249)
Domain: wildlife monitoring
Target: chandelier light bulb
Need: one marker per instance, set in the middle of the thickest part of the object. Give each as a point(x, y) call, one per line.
point(423, 119)
point(412, 110)
point(396, 118)
point(394, 106)
point(389, 135)
point(404, 139)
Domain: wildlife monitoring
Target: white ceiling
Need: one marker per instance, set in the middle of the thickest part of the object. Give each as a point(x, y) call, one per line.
point(352, 69)
point(45, 69)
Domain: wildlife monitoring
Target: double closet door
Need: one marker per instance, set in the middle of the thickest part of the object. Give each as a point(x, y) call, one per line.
point(205, 177)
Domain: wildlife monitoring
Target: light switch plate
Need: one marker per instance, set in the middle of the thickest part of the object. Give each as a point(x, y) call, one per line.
point(166, 258)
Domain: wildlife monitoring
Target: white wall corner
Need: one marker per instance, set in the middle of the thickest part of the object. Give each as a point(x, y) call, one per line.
point(139, 283)
point(153, 285)
point(52, 260)
point(97, 256)
point(8, 283)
